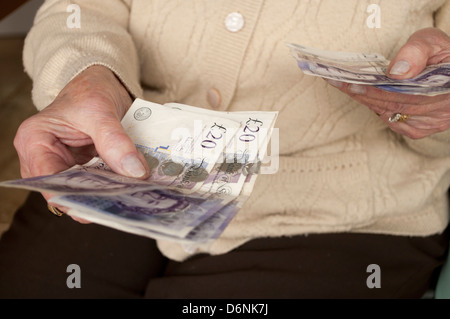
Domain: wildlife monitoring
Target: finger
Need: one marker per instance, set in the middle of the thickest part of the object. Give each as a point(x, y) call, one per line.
point(48, 197)
point(366, 93)
point(427, 46)
point(436, 121)
point(420, 123)
point(411, 131)
point(80, 220)
point(24, 169)
point(435, 109)
point(117, 149)
point(415, 126)
point(64, 209)
point(41, 154)
point(382, 101)
point(430, 124)
point(46, 162)
point(409, 61)
point(370, 92)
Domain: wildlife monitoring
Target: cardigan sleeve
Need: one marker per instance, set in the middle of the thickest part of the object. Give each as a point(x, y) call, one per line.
point(442, 17)
point(436, 144)
point(69, 36)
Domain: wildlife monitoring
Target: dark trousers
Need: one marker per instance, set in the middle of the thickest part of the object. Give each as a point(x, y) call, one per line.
point(37, 249)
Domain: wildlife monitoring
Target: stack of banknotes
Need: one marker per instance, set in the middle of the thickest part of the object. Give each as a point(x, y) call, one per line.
point(370, 69)
point(203, 166)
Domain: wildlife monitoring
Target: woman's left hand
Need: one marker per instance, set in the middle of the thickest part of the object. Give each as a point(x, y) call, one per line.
point(421, 115)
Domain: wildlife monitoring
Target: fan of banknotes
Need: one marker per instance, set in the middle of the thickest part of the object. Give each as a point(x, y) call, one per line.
point(370, 69)
point(203, 166)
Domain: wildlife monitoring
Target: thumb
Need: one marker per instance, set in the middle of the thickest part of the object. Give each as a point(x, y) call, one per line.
point(117, 149)
point(419, 51)
point(409, 61)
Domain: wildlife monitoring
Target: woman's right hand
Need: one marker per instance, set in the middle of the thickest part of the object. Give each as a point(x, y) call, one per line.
point(83, 121)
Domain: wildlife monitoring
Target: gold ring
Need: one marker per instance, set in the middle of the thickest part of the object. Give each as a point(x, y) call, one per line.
point(398, 117)
point(54, 210)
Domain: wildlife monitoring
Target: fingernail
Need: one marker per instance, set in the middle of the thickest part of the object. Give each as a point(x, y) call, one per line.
point(133, 166)
point(400, 68)
point(336, 84)
point(357, 89)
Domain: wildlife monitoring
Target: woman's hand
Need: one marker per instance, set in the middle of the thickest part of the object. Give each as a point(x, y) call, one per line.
point(83, 121)
point(424, 115)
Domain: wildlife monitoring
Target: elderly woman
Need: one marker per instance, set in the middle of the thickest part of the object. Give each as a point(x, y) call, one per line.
point(364, 189)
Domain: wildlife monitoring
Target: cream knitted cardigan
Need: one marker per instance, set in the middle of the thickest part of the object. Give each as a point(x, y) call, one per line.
point(341, 168)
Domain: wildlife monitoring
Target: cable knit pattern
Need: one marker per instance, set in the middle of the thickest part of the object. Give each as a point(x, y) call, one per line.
point(341, 168)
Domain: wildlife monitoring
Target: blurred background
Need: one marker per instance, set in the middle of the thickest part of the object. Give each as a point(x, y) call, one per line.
point(16, 18)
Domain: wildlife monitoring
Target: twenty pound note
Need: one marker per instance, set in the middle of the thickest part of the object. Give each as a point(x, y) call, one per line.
point(370, 69)
point(180, 147)
point(193, 154)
